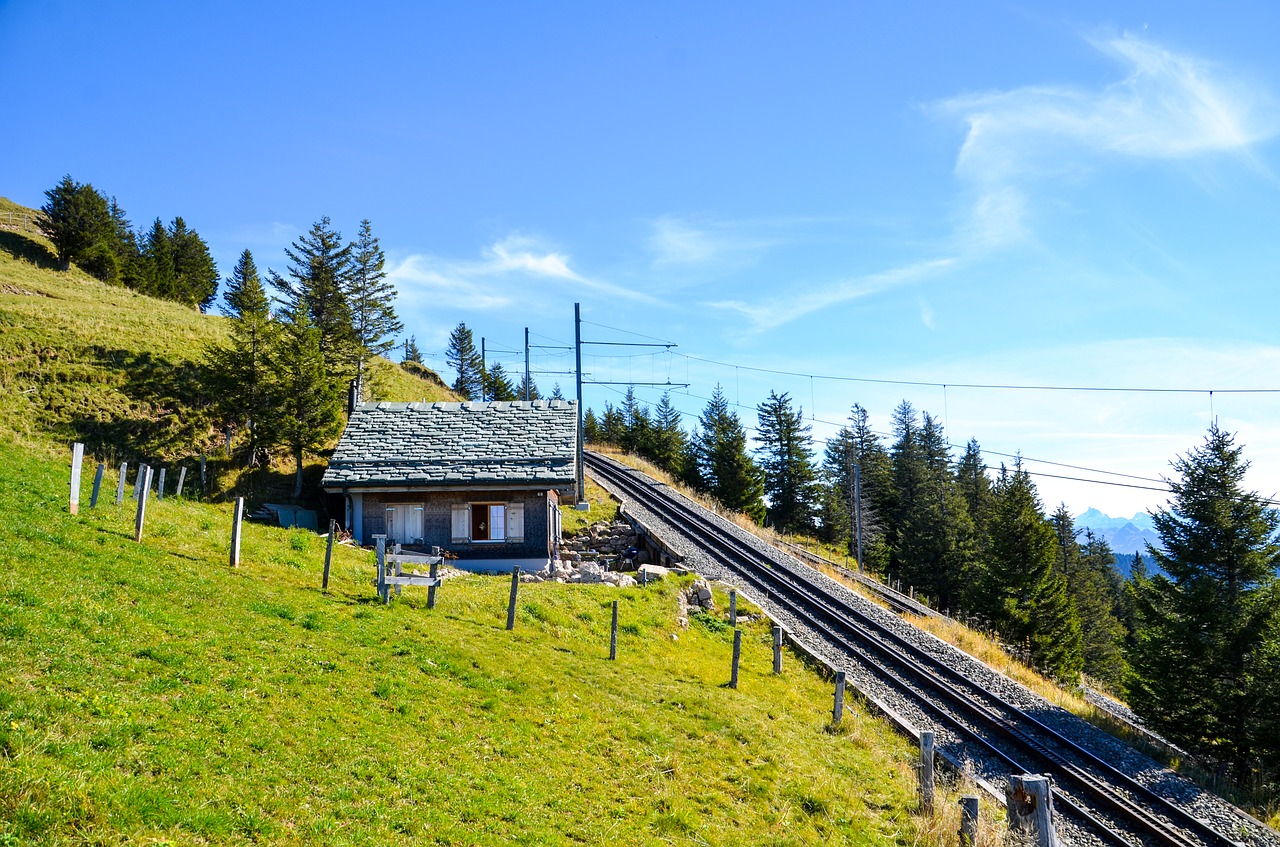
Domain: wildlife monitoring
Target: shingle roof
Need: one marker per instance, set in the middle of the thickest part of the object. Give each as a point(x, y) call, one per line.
point(456, 443)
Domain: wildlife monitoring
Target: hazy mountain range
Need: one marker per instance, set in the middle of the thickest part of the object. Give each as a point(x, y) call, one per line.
point(1125, 535)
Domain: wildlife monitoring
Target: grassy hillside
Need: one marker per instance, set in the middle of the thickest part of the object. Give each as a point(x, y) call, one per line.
point(150, 694)
point(84, 361)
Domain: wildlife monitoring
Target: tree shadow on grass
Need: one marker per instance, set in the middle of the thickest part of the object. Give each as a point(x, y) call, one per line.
point(166, 412)
point(23, 247)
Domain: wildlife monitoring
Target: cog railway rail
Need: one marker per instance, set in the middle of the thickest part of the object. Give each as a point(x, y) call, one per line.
point(1095, 795)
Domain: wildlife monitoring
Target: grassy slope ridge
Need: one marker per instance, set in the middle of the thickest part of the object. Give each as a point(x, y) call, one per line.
point(120, 371)
point(150, 693)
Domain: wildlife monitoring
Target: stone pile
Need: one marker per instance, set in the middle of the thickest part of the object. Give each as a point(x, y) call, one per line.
point(586, 572)
point(603, 541)
point(696, 596)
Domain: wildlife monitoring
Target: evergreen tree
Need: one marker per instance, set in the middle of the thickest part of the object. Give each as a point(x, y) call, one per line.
point(77, 219)
point(667, 439)
point(556, 394)
point(1213, 619)
point(241, 369)
point(371, 298)
point(319, 276)
point(786, 450)
point(498, 385)
point(975, 487)
point(195, 276)
point(306, 409)
point(613, 426)
point(1084, 568)
point(590, 428)
point(528, 388)
point(462, 356)
point(720, 461)
point(1026, 597)
point(245, 293)
point(636, 426)
point(411, 351)
point(933, 533)
point(159, 277)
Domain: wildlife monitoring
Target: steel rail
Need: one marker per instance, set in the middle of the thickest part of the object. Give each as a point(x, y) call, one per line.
point(944, 680)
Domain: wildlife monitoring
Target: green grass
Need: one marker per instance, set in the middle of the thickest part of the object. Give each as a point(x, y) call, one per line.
point(151, 694)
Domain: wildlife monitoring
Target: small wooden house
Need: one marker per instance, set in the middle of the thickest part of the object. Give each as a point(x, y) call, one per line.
point(480, 480)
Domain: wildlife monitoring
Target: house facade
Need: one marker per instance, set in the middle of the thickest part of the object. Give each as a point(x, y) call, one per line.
point(480, 480)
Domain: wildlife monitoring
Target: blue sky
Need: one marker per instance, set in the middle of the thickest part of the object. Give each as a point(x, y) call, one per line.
point(1075, 194)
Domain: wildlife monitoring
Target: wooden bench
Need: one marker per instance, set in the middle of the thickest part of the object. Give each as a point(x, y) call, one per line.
point(391, 571)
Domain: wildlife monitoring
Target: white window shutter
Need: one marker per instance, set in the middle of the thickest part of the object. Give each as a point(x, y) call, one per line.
point(515, 521)
point(461, 523)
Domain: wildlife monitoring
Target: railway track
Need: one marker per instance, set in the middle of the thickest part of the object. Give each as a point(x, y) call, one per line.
point(1100, 799)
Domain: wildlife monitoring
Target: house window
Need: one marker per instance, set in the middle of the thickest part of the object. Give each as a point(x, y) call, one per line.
point(404, 523)
point(488, 522)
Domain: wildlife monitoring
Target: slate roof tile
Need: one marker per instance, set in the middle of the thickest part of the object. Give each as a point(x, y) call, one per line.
point(457, 443)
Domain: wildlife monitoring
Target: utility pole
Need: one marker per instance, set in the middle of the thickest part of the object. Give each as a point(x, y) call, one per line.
point(577, 352)
point(527, 387)
point(484, 369)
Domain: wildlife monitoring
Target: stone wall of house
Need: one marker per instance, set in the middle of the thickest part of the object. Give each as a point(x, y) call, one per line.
point(437, 521)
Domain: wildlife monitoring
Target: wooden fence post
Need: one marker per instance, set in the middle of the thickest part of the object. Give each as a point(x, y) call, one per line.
point(328, 553)
point(837, 710)
point(511, 604)
point(237, 517)
point(204, 488)
point(777, 649)
point(737, 654)
point(142, 502)
point(124, 471)
point(733, 607)
point(431, 590)
point(613, 634)
point(969, 820)
point(384, 590)
point(139, 478)
point(926, 771)
point(77, 459)
point(1029, 806)
point(97, 485)
point(182, 477)
point(160, 485)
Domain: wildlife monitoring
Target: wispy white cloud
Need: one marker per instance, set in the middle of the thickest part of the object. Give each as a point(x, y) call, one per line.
point(677, 241)
point(1168, 107)
point(496, 280)
point(776, 313)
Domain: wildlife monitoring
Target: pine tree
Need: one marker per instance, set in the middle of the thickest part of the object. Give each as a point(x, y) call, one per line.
point(528, 389)
point(1026, 597)
point(556, 393)
point(498, 385)
point(590, 428)
point(1214, 617)
point(195, 276)
point(241, 369)
point(1085, 567)
point(371, 298)
point(462, 356)
point(77, 219)
point(933, 547)
point(636, 426)
point(319, 275)
point(786, 450)
point(613, 426)
point(159, 278)
point(722, 465)
point(306, 410)
point(411, 351)
point(667, 439)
